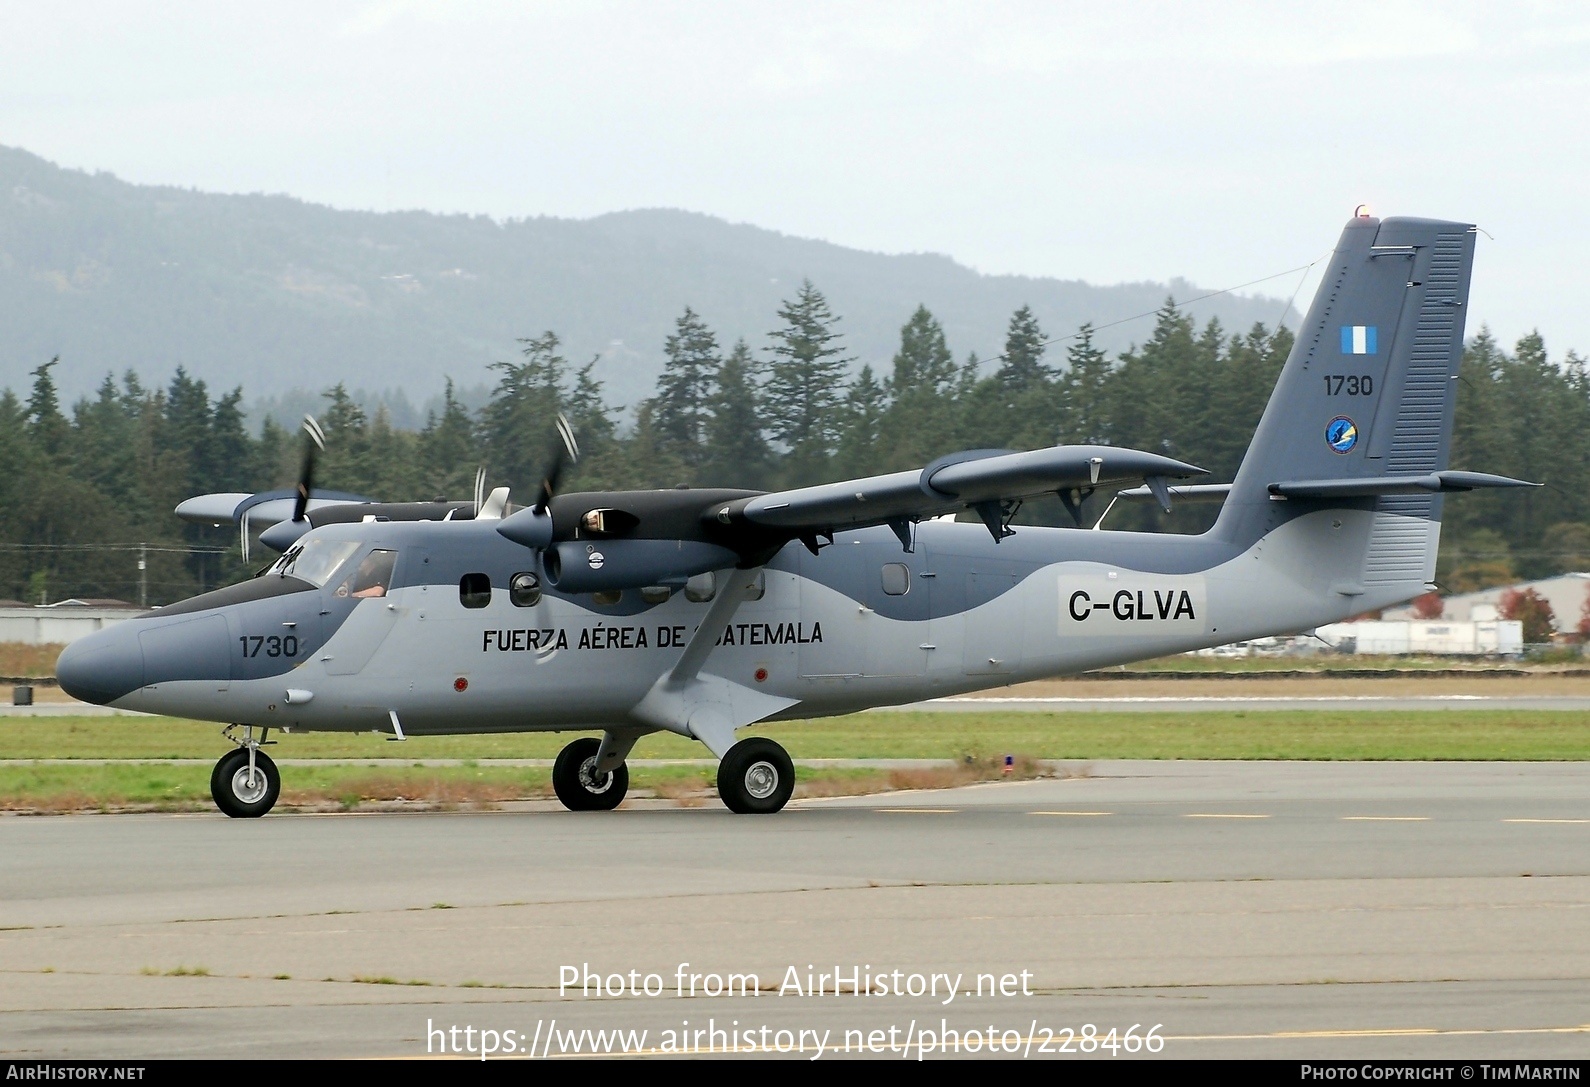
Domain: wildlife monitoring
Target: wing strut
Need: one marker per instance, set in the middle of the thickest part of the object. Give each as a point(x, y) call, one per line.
point(703, 706)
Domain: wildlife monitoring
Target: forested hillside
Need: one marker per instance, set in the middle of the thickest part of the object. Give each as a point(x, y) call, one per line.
point(82, 486)
point(275, 294)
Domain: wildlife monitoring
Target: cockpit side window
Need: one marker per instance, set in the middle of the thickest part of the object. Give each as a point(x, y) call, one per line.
point(371, 578)
point(316, 560)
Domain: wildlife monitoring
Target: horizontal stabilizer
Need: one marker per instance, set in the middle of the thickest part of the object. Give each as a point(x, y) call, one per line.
point(1431, 483)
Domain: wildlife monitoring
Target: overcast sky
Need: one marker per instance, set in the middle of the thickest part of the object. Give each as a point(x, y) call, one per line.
point(1218, 141)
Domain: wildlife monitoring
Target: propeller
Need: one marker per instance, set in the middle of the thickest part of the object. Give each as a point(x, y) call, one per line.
point(480, 489)
point(532, 526)
point(306, 478)
point(306, 481)
point(565, 451)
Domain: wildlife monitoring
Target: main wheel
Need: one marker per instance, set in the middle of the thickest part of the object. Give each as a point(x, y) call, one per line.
point(579, 786)
point(237, 795)
point(756, 777)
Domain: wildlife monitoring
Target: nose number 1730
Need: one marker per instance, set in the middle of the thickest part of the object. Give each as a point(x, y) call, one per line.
point(273, 645)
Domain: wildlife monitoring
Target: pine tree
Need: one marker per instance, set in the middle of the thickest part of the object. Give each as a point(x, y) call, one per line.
point(230, 444)
point(737, 454)
point(517, 423)
point(1022, 370)
point(46, 425)
point(346, 463)
point(803, 390)
point(919, 422)
point(863, 410)
point(602, 462)
point(449, 449)
point(681, 408)
point(1084, 420)
point(1149, 395)
point(1018, 406)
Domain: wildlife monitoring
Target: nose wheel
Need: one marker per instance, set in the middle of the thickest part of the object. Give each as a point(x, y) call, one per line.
point(244, 787)
point(580, 785)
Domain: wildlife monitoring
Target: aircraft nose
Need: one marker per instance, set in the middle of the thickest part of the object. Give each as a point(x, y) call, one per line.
point(102, 667)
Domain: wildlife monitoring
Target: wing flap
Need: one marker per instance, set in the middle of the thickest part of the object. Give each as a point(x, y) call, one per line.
point(1058, 468)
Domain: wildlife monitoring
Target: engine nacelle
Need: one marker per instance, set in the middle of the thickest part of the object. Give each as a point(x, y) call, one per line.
point(588, 566)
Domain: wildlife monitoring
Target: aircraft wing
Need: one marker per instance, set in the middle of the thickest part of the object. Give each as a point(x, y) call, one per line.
point(987, 481)
point(262, 509)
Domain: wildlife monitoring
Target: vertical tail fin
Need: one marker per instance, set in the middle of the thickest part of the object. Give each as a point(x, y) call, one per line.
point(1368, 391)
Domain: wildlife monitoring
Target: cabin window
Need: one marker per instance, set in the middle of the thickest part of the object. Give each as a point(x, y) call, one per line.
point(701, 588)
point(474, 590)
point(656, 594)
point(896, 578)
point(371, 578)
point(607, 597)
point(524, 590)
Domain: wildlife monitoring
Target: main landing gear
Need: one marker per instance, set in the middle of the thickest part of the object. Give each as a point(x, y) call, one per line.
point(245, 783)
point(755, 777)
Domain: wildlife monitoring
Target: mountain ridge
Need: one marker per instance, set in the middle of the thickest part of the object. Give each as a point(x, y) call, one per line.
point(278, 294)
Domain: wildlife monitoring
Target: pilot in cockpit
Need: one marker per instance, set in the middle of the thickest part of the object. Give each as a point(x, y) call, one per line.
point(371, 578)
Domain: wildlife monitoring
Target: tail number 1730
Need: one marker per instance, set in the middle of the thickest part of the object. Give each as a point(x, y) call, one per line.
point(273, 645)
point(1349, 384)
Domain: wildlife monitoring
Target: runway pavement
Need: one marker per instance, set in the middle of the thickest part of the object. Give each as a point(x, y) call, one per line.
point(1250, 909)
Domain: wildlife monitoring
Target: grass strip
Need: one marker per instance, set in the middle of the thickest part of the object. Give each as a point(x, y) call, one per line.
point(1529, 735)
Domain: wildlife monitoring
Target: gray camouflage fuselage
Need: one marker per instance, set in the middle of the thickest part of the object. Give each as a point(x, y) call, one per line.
point(824, 633)
point(1365, 401)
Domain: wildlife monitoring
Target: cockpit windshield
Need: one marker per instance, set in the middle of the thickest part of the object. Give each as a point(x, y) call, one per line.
point(316, 560)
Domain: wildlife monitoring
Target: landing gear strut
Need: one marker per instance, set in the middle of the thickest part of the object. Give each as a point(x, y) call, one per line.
point(245, 783)
point(756, 777)
point(580, 785)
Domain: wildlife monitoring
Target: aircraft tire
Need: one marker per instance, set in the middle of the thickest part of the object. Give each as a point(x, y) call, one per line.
point(575, 789)
point(756, 777)
point(232, 792)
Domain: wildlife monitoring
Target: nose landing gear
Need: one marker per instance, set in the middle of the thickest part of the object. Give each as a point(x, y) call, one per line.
point(580, 785)
point(245, 783)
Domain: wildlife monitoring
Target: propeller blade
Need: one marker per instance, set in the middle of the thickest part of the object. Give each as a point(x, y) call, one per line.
point(306, 478)
point(480, 489)
point(565, 451)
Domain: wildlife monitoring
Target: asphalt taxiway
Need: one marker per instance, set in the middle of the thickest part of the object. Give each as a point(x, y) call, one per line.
point(1251, 909)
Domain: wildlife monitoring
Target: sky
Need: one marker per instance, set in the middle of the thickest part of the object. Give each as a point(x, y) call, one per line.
point(1220, 141)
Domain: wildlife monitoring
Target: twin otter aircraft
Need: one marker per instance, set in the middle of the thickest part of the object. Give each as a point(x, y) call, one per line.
point(699, 612)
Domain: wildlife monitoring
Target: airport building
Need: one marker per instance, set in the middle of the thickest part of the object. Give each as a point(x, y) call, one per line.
point(59, 623)
point(1566, 593)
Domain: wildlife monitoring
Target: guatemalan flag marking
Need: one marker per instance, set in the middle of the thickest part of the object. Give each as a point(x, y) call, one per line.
point(1358, 339)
